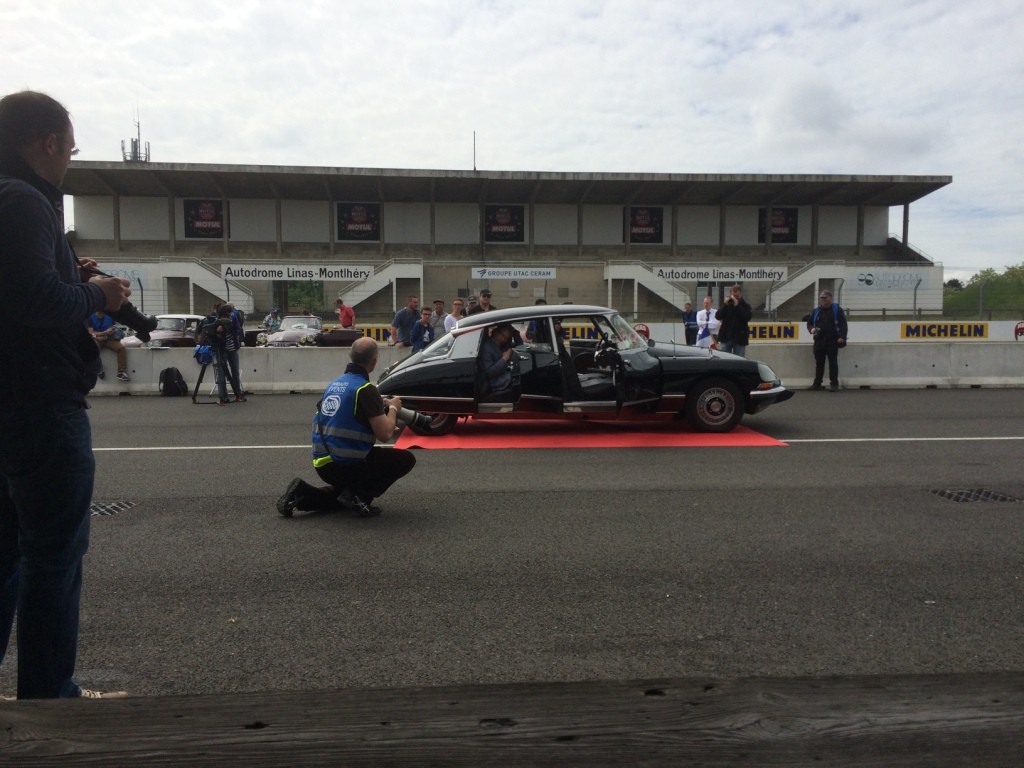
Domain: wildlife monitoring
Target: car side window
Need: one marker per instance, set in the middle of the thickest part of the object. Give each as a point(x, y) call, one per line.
point(439, 348)
point(466, 345)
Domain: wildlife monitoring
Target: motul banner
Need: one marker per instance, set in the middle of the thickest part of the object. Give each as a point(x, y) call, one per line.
point(784, 221)
point(204, 219)
point(359, 221)
point(504, 224)
point(646, 224)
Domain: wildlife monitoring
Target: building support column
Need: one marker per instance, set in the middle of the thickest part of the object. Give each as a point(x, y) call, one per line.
point(117, 223)
point(860, 231)
point(815, 212)
point(906, 228)
point(721, 232)
point(171, 235)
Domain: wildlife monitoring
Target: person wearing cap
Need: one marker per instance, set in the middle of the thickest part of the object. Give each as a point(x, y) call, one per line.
point(484, 305)
point(471, 303)
point(827, 324)
point(437, 318)
point(272, 322)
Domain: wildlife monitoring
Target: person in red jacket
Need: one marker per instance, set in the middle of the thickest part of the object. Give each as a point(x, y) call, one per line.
point(346, 315)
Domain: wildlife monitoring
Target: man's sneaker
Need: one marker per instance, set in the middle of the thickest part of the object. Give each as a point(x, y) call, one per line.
point(100, 373)
point(362, 508)
point(88, 693)
point(814, 388)
point(122, 376)
point(833, 387)
point(290, 499)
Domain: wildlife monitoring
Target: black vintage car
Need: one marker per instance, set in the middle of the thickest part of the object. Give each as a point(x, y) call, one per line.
point(579, 362)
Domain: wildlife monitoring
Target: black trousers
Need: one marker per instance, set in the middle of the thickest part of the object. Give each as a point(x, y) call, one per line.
point(368, 479)
point(829, 351)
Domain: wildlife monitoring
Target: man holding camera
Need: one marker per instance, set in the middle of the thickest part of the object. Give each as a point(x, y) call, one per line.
point(50, 363)
point(351, 417)
point(734, 331)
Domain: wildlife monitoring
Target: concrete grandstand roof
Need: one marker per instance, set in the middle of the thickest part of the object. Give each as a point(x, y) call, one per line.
point(133, 179)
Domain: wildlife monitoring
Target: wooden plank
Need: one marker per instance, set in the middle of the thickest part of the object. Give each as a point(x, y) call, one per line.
point(969, 719)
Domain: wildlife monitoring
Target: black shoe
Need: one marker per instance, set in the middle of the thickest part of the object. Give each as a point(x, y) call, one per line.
point(833, 387)
point(290, 500)
point(351, 501)
point(815, 388)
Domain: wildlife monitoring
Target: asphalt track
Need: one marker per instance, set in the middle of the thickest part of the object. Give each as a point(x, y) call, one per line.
point(829, 554)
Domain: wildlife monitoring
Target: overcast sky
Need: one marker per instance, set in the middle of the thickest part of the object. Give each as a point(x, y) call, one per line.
point(929, 87)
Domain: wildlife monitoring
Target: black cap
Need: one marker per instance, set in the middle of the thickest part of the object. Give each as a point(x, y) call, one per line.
point(485, 292)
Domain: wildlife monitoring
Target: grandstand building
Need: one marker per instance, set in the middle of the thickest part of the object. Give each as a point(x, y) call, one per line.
point(645, 243)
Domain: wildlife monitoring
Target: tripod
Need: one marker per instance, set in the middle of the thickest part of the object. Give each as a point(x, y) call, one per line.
point(218, 370)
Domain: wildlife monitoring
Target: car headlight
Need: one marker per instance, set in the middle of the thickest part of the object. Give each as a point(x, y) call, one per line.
point(261, 339)
point(308, 340)
point(767, 374)
point(152, 344)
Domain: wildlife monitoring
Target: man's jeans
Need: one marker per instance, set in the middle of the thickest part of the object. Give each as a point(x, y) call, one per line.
point(733, 348)
point(228, 364)
point(46, 481)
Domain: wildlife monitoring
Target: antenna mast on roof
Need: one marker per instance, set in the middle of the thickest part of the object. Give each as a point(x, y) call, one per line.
point(137, 154)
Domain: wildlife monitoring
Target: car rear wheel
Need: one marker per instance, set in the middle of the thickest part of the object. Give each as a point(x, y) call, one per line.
point(440, 424)
point(714, 406)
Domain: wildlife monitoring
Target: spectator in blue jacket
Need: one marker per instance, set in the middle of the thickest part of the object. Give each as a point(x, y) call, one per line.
point(422, 334)
point(827, 324)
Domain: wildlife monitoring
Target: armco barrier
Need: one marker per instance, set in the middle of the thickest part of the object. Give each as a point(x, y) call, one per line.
point(946, 365)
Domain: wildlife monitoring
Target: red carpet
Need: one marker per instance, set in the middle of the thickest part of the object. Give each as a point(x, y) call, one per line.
point(483, 433)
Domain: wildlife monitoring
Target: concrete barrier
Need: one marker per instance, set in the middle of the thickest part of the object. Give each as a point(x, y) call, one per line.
point(946, 365)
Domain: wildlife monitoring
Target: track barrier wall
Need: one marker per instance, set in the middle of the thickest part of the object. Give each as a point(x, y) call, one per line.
point(945, 365)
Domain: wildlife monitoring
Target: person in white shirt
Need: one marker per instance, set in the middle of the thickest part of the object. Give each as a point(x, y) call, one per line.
point(707, 324)
point(458, 312)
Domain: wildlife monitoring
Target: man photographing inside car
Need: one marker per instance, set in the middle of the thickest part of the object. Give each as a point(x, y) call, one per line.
point(351, 417)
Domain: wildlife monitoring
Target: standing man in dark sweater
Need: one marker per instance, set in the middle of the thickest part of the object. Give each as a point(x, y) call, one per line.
point(50, 363)
point(735, 314)
point(827, 324)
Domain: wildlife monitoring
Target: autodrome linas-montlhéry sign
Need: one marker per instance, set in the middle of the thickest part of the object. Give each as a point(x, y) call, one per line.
point(701, 274)
point(296, 272)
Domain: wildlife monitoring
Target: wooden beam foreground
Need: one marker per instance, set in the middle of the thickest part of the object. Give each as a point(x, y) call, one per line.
point(916, 720)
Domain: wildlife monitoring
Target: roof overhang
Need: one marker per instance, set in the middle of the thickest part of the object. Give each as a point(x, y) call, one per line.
point(132, 179)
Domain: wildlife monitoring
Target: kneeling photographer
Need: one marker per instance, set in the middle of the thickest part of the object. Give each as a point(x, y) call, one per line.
point(351, 417)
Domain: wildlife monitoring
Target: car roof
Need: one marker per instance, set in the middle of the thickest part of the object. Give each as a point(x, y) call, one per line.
point(529, 312)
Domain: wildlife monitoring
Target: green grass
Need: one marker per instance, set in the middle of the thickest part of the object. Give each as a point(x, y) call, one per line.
point(1002, 298)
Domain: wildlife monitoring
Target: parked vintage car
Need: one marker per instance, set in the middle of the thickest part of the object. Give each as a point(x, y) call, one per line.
point(306, 331)
point(579, 362)
point(171, 331)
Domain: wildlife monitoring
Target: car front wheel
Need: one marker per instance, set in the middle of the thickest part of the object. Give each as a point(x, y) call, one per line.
point(440, 424)
point(714, 406)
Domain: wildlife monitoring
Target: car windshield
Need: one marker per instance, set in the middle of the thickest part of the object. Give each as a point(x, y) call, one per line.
point(611, 327)
point(170, 324)
point(301, 324)
point(623, 334)
point(440, 347)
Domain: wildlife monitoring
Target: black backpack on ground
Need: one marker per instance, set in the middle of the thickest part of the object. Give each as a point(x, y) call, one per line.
point(172, 384)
